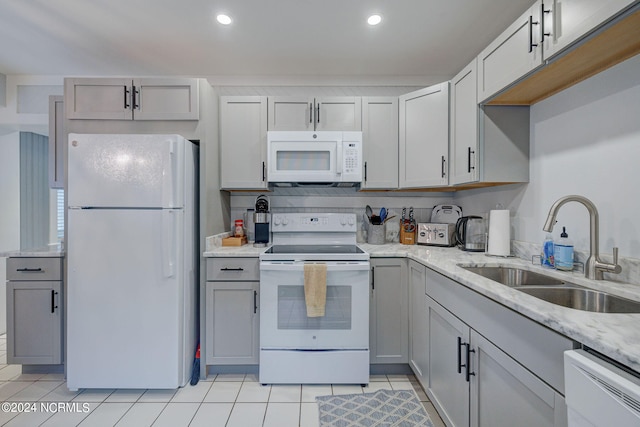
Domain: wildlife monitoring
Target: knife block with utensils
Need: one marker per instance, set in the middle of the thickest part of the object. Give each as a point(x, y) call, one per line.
point(408, 233)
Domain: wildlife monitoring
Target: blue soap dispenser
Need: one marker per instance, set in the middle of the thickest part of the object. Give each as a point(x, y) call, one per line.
point(563, 252)
point(547, 254)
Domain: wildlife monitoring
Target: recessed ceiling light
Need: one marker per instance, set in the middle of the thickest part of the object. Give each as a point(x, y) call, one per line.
point(374, 19)
point(223, 19)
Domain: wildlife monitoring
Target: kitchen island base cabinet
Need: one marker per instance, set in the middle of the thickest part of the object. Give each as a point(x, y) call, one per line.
point(389, 314)
point(488, 365)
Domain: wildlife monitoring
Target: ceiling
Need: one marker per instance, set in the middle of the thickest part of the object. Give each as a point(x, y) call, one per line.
point(290, 39)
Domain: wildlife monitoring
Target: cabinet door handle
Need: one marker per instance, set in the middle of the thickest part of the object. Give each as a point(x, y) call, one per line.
point(255, 302)
point(318, 113)
point(263, 171)
point(29, 270)
point(468, 363)
point(531, 24)
point(443, 165)
point(126, 97)
point(53, 301)
point(232, 269)
point(311, 112)
point(365, 171)
point(543, 11)
point(460, 365)
point(135, 102)
point(469, 167)
point(373, 279)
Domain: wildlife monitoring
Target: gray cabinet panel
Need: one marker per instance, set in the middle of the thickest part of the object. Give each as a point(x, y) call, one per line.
point(389, 314)
point(34, 322)
point(380, 142)
point(418, 322)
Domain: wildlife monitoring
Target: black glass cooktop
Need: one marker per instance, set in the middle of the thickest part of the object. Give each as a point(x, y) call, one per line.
point(314, 249)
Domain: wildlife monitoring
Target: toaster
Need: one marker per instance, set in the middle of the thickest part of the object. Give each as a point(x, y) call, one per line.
point(435, 234)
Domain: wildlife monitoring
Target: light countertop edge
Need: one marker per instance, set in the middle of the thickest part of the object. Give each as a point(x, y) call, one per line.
point(50, 251)
point(615, 335)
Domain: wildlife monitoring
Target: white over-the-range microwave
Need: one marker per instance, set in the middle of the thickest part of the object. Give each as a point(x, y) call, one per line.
point(308, 157)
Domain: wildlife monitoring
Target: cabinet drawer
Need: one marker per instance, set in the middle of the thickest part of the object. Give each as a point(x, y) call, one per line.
point(231, 269)
point(34, 268)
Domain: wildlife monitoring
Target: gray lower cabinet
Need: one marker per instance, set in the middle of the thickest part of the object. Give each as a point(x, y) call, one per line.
point(488, 365)
point(418, 322)
point(232, 317)
point(388, 311)
point(34, 311)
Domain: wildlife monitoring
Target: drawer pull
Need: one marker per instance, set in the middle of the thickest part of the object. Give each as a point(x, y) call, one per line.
point(29, 270)
point(232, 269)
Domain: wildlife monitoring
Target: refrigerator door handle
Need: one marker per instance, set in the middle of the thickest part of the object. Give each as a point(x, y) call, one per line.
point(170, 176)
point(168, 243)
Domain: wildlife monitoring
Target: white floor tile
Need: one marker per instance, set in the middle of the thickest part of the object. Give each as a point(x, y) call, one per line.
point(35, 391)
point(61, 394)
point(72, 417)
point(29, 418)
point(375, 378)
point(247, 414)
point(346, 389)
point(401, 385)
point(94, 394)
point(28, 377)
point(192, 393)
point(282, 415)
point(212, 415)
point(125, 395)
point(157, 395)
point(107, 415)
point(176, 415)
point(5, 417)
point(52, 377)
point(230, 377)
point(398, 378)
point(251, 378)
point(377, 385)
point(10, 372)
point(10, 388)
point(210, 377)
point(223, 392)
point(141, 415)
point(253, 392)
point(310, 392)
point(309, 416)
point(285, 393)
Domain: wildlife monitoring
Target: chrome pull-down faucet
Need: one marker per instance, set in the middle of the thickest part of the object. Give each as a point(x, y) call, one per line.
point(594, 266)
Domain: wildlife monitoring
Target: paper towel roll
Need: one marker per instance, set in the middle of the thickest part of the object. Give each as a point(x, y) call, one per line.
point(499, 233)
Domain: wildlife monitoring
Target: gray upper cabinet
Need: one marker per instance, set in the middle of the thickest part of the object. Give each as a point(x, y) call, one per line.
point(380, 143)
point(131, 99)
point(337, 113)
point(566, 21)
point(243, 142)
point(511, 55)
point(424, 137)
point(489, 144)
point(56, 141)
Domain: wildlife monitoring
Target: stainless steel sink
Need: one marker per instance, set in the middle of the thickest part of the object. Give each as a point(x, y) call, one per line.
point(583, 299)
point(513, 277)
point(557, 291)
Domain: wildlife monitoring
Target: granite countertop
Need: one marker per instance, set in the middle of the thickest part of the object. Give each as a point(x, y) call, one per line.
point(614, 335)
point(49, 251)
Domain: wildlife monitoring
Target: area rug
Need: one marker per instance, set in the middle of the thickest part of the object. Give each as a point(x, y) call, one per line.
point(383, 408)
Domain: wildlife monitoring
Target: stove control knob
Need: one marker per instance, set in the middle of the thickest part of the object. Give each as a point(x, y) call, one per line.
point(343, 221)
point(276, 220)
point(351, 220)
point(285, 221)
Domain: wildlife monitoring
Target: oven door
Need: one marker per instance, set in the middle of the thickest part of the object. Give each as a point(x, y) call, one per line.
point(283, 317)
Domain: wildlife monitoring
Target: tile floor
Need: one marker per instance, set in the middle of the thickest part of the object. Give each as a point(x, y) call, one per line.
point(220, 400)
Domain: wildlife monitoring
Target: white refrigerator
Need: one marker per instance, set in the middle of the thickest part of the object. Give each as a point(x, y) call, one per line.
point(131, 261)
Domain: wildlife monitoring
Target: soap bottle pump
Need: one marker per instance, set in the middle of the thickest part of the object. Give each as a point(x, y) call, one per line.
point(547, 253)
point(563, 252)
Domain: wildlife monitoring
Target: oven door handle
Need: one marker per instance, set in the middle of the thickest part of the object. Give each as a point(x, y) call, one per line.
point(299, 266)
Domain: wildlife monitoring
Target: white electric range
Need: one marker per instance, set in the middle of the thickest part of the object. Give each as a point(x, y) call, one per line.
point(295, 348)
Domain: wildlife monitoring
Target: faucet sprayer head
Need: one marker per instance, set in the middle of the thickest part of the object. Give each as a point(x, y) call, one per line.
point(551, 221)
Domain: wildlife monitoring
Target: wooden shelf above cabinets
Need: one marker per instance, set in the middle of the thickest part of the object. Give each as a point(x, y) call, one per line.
point(613, 44)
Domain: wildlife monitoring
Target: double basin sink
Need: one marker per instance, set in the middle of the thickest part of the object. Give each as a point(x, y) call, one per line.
point(557, 291)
